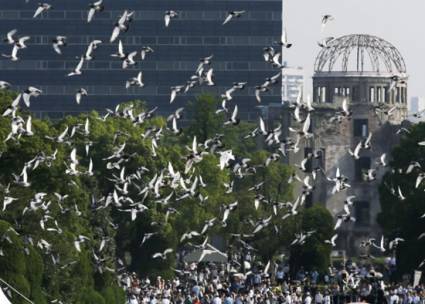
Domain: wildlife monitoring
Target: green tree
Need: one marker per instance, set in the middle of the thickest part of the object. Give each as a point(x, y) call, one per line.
point(402, 218)
point(315, 253)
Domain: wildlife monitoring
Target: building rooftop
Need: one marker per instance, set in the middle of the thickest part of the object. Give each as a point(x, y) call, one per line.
point(360, 54)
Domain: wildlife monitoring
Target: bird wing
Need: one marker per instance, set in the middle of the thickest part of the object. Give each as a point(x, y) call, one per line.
point(235, 113)
point(73, 155)
point(10, 35)
point(57, 48)
point(26, 98)
point(262, 126)
point(167, 251)
point(167, 20)
point(345, 105)
point(338, 224)
point(15, 102)
point(257, 95)
point(306, 126)
point(132, 55)
point(209, 76)
point(228, 18)
point(80, 64)
point(90, 15)
point(28, 126)
point(77, 246)
point(194, 145)
point(175, 125)
point(78, 97)
point(225, 215)
point(115, 33)
point(357, 149)
point(39, 10)
point(418, 181)
point(140, 77)
point(173, 95)
point(369, 138)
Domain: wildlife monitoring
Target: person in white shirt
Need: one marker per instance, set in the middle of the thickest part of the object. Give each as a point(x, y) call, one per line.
point(394, 298)
point(307, 299)
point(318, 298)
point(133, 300)
point(217, 299)
point(327, 298)
point(288, 298)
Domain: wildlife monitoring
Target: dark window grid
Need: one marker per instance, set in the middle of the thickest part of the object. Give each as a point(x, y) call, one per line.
point(141, 14)
point(158, 40)
point(110, 89)
point(144, 65)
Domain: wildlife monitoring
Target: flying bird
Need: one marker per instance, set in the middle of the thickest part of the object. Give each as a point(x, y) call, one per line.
point(168, 16)
point(30, 92)
point(42, 7)
point(58, 42)
point(332, 240)
point(135, 81)
point(233, 14)
point(77, 70)
point(162, 255)
point(234, 119)
point(94, 8)
point(325, 19)
point(80, 93)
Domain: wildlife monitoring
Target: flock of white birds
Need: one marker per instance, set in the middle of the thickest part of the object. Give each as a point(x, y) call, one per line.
point(169, 185)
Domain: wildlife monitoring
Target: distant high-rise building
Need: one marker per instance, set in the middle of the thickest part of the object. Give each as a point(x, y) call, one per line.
point(417, 104)
point(197, 32)
point(292, 83)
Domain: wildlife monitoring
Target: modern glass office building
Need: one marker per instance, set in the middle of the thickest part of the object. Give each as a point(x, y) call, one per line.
point(197, 32)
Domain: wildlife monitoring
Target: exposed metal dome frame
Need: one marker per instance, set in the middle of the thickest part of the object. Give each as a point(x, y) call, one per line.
point(371, 50)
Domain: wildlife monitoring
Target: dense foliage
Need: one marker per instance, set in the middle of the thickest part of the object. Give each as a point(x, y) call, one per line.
point(404, 218)
point(44, 263)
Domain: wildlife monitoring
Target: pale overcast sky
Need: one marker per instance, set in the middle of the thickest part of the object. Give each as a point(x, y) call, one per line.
point(400, 22)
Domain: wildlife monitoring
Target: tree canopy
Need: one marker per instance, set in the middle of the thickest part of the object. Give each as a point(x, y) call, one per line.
point(94, 195)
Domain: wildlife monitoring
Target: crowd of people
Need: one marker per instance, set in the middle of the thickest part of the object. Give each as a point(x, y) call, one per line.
point(210, 283)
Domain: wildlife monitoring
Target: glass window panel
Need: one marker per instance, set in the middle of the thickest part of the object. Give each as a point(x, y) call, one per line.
point(11, 14)
point(56, 64)
point(164, 90)
point(73, 15)
point(240, 65)
point(26, 14)
point(101, 64)
point(212, 15)
point(165, 40)
point(241, 40)
point(151, 40)
point(56, 15)
point(194, 40)
point(211, 40)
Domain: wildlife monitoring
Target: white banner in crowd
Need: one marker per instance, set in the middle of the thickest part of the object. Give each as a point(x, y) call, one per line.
point(417, 278)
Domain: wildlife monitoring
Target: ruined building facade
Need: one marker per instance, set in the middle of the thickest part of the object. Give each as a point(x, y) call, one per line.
point(371, 75)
